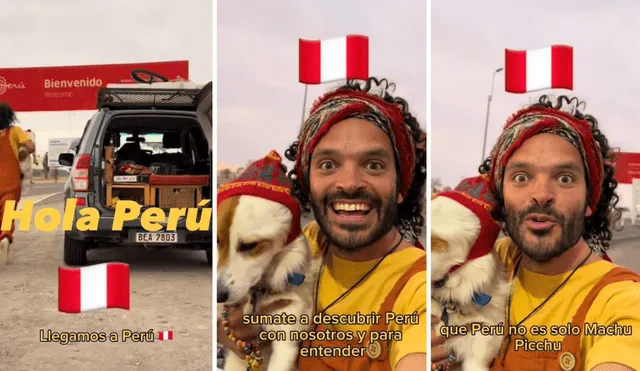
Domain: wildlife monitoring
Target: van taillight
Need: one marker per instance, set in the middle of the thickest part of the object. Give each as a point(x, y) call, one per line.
point(80, 173)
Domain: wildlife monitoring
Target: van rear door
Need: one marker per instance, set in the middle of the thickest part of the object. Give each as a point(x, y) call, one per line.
point(204, 101)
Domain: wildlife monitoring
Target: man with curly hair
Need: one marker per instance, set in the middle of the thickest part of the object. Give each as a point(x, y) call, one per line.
point(551, 173)
point(360, 166)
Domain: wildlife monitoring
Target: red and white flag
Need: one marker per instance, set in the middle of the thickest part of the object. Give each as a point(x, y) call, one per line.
point(165, 335)
point(98, 286)
point(531, 70)
point(334, 59)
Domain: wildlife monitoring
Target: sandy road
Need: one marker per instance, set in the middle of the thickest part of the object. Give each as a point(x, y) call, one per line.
point(170, 290)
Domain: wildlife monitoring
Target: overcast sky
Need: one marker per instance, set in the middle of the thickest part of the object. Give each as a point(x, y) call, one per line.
point(469, 39)
point(38, 33)
point(259, 96)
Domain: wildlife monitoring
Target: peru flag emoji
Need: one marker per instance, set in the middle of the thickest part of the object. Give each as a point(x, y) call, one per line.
point(165, 335)
point(336, 59)
point(539, 69)
point(100, 286)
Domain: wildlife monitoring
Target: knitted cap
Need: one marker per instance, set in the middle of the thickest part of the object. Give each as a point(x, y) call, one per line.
point(266, 178)
point(475, 194)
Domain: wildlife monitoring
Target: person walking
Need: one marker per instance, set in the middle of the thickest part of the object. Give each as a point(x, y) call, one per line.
point(45, 165)
point(11, 139)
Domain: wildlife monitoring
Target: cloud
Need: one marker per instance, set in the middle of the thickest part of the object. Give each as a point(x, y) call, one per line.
point(260, 101)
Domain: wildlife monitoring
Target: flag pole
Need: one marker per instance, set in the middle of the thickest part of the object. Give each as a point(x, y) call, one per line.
point(486, 122)
point(304, 103)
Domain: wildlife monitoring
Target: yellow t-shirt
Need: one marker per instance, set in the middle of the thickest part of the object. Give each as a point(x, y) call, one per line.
point(17, 137)
point(617, 303)
point(341, 274)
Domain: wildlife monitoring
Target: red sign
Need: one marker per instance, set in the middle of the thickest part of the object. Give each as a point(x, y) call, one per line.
point(627, 167)
point(73, 88)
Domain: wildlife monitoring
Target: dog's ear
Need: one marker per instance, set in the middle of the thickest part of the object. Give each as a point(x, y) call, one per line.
point(438, 245)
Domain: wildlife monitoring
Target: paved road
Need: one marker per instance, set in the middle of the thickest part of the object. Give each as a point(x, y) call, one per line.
point(170, 290)
point(625, 250)
point(38, 189)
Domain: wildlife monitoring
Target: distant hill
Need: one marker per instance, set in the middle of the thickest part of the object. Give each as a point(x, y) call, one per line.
point(224, 165)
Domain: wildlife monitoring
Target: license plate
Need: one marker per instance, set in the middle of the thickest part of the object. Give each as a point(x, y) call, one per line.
point(149, 237)
point(125, 178)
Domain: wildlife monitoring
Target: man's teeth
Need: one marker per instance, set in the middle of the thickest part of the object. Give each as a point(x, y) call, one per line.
point(350, 207)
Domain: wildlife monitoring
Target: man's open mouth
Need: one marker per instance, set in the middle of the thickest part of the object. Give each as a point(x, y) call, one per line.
point(540, 222)
point(540, 218)
point(351, 208)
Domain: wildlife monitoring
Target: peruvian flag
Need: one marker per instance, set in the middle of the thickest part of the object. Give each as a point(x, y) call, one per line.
point(539, 69)
point(98, 286)
point(165, 335)
point(334, 59)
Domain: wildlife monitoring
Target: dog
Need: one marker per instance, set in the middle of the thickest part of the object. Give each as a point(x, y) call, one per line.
point(32, 136)
point(26, 168)
point(26, 162)
point(469, 280)
point(264, 258)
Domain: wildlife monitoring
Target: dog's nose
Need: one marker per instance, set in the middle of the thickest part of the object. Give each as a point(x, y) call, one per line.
point(223, 296)
point(223, 290)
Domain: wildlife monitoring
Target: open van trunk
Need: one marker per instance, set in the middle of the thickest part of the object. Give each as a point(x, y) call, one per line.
point(157, 161)
point(157, 158)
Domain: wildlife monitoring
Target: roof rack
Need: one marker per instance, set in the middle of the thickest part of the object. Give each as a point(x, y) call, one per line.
point(147, 98)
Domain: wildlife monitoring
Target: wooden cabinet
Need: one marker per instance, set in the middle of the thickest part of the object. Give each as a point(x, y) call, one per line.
point(145, 189)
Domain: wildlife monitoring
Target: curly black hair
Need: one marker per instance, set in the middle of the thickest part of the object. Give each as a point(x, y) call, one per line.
point(412, 207)
point(7, 116)
point(606, 213)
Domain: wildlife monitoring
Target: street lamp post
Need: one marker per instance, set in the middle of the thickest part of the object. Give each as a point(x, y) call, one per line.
point(486, 123)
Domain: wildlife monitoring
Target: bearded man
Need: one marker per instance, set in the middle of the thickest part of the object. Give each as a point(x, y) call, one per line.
point(360, 165)
point(551, 173)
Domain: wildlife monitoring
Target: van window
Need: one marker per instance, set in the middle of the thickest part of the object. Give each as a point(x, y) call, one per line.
point(85, 137)
point(152, 142)
point(86, 126)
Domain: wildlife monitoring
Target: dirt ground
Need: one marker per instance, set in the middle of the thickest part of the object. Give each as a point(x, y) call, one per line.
point(170, 290)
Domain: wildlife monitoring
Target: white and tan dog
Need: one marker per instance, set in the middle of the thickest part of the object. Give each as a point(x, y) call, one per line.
point(469, 282)
point(26, 161)
point(26, 169)
point(263, 258)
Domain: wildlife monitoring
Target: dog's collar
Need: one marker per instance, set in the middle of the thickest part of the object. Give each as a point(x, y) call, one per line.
point(479, 298)
point(293, 279)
